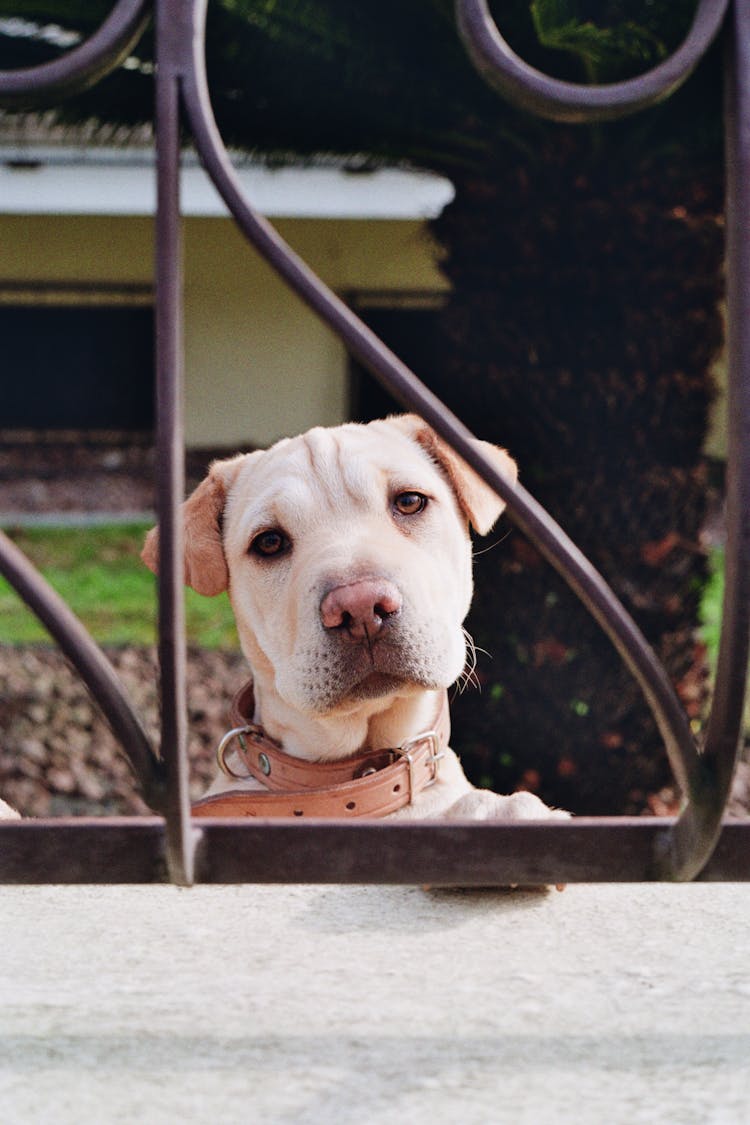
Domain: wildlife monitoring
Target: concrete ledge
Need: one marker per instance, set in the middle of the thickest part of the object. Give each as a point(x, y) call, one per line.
point(374, 1004)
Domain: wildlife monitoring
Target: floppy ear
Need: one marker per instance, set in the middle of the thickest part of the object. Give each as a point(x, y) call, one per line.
point(479, 503)
point(205, 564)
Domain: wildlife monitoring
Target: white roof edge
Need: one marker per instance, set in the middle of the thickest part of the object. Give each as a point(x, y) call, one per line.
point(45, 181)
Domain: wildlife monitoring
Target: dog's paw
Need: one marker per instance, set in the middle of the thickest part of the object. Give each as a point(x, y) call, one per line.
point(7, 813)
point(482, 804)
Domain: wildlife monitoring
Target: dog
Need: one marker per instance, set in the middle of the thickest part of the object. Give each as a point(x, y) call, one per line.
point(347, 557)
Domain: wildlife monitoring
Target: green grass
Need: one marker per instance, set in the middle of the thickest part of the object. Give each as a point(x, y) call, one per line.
point(98, 572)
point(711, 606)
point(711, 618)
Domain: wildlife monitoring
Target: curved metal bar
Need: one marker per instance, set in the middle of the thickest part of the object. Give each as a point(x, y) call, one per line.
point(91, 663)
point(549, 538)
point(724, 735)
point(532, 90)
point(731, 677)
point(83, 65)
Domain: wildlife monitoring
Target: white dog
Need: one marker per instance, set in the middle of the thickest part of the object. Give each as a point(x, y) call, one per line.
point(347, 558)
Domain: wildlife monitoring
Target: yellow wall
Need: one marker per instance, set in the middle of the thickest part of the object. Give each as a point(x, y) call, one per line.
point(258, 363)
point(46, 248)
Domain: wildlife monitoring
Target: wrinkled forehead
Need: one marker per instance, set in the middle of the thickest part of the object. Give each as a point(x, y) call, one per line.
point(328, 470)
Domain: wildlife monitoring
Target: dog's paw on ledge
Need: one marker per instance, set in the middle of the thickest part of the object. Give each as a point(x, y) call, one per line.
point(7, 813)
point(482, 804)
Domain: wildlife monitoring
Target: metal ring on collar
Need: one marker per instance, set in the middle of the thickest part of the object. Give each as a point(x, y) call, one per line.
point(221, 750)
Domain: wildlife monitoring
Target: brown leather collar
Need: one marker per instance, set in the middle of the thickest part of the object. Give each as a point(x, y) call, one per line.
point(371, 783)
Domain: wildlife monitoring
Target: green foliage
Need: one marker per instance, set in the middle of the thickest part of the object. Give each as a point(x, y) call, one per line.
point(711, 606)
point(606, 52)
point(98, 573)
point(710, 618)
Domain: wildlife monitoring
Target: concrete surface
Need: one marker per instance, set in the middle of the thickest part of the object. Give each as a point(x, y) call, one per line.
point(604, 1004)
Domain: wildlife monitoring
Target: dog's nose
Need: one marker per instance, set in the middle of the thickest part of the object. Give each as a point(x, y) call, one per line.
point(360, 609)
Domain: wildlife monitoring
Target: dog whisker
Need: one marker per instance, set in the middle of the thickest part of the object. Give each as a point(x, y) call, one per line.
point(491, 546)
point(469, 677)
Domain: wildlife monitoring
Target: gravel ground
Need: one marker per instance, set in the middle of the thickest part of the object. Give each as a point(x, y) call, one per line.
point(58, 756)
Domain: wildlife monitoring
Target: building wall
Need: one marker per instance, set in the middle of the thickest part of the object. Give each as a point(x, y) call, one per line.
point(258, 363)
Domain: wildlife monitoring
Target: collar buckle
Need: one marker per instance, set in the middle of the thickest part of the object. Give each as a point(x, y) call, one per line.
point(407, 751)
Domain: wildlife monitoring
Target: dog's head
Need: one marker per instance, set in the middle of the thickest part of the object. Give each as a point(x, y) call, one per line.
point(347, 558)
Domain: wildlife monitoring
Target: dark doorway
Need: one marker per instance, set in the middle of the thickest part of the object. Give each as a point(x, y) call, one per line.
point(69, 367)
point(410, 331)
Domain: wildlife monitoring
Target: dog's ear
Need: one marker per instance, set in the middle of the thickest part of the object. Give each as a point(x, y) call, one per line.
point(205, 564)
point(479, 503)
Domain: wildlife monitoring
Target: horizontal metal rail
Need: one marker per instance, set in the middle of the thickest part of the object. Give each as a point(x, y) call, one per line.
point(460, 853)
point(537, 853)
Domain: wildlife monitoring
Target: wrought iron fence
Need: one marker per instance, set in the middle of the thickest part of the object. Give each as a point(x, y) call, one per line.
point(698, 843)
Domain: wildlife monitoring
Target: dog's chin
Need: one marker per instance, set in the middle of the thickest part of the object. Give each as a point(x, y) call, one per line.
point(379, 684)
point(376, 685)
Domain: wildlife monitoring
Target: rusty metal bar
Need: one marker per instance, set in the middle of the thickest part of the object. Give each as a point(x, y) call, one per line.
point(724, 734)
point(731, 679)
point(465, 854)
point(83, 65)
point(532, 90)
point(693, 837)
point(181, 836)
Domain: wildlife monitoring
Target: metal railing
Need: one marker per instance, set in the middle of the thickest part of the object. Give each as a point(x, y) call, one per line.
point(697, 844)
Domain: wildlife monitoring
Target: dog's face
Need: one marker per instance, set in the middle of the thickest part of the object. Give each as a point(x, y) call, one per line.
point(347, 557)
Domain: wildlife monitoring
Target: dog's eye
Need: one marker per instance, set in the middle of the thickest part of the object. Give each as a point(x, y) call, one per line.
point(270, 543)
point(410, 503)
